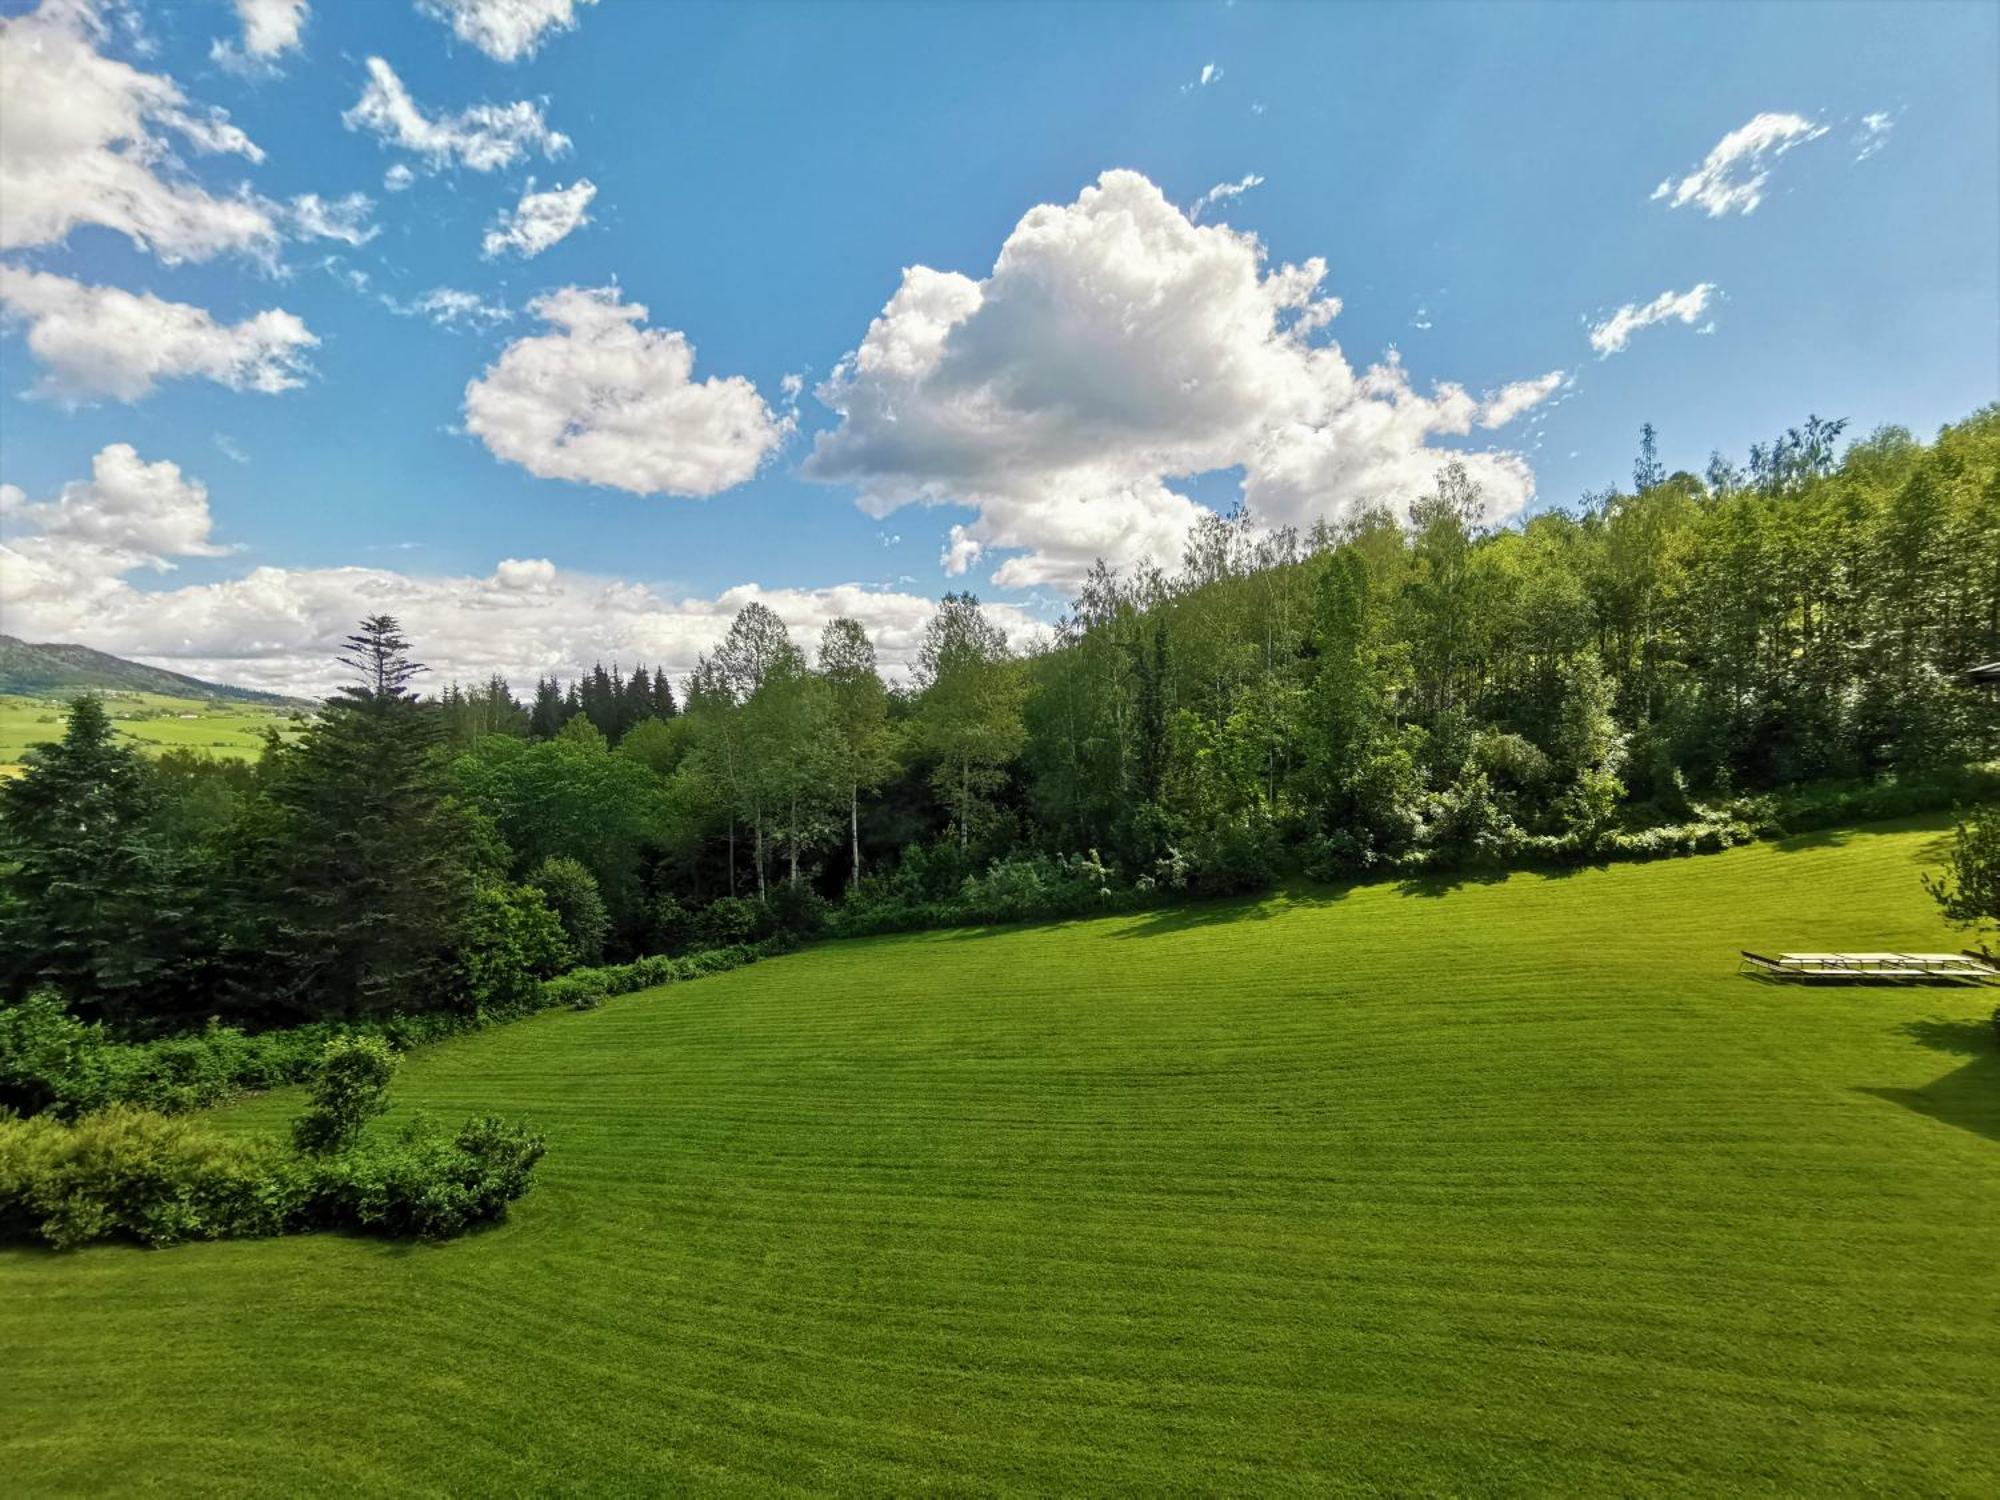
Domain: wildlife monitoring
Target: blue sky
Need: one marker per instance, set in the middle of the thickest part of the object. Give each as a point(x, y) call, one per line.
point(1479, 181)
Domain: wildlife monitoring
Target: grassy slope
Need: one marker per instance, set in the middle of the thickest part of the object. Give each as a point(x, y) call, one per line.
point(231, 731)
point(1510, 1187)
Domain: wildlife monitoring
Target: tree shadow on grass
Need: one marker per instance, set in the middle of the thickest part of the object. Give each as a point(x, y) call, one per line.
point(1444, 882)
point(1222, 910)
point(1964, 1038)
point(1967, 1097)
point(1819, 838)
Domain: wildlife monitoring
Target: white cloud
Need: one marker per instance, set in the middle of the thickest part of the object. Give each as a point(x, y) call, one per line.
point(343, 219)
point(280, 628)
point(271, 28)
point(1507, 403)
point(1114, 347)
point(540, 220)
point(97, 340)
point(1731, 178)
point(505, 30)
point(482, 138)
point(229, 448)
point(398, 177)
point(450, 307)
point(1209, 73)
point(84, 139)
point(1873, 135)
point(1222, 192)
point(601, 399)
point(1615, 332)
point(133, 512)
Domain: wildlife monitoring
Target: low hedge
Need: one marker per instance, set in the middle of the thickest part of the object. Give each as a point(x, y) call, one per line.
point(50, 1062)
point(135, 1175)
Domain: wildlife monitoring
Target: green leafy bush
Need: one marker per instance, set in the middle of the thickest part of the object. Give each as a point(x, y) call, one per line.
point(130, 1174)
point(510, 943)
point(571, 892)
point(420, 1184)
point(352, 1088)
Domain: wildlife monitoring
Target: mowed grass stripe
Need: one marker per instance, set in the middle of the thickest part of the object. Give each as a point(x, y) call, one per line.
point(1488, 1186)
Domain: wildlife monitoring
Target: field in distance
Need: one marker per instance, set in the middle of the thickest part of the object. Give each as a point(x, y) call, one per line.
point(152, 721)
point(1502, 1186)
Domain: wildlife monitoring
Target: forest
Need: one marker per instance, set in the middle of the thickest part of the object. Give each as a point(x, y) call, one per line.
point(1661, 669)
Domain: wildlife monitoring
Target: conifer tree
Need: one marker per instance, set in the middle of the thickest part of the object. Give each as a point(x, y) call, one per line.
point(367, 867)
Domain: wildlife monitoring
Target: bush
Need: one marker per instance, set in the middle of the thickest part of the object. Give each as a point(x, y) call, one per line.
point(730, 920)
point(1234, 858)
point(420, 1184)
point(571, 892)
point(131, 1174)
point(351, 1089)
point(669, 925)
point(49, 1060)
point(511, 942)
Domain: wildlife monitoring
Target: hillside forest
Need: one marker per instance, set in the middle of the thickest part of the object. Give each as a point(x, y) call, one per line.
point(1408, 693)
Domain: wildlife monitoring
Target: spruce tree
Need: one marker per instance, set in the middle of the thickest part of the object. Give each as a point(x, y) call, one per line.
point(96, 901)
point(367, 869)
point(546, 717)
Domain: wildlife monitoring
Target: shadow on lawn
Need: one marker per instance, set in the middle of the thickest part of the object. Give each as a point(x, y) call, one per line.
point(1819, 838)
point(1969, 1096)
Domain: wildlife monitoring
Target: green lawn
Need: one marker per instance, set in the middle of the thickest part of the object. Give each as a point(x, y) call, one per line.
point(231, 731)
point(1506, 1186)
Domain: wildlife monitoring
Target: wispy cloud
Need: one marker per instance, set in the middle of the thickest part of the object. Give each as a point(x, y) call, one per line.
point(1222, 192)
point(1210, 73)
point(1873, 135)
point(1615, 332)
point(1731, 177)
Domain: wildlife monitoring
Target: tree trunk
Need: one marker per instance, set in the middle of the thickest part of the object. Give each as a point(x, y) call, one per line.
point(854, 834)
point(732, 856)
point(762, 890)
point(795, 841)
point(964, 804)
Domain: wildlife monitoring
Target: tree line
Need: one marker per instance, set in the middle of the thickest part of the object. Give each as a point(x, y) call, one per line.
point(1392, 691)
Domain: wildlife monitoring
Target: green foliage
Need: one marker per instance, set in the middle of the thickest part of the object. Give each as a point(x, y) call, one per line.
point(1968, 890)
point(510, 942)
point(129, 1174)
point(351, 1088)
point(571, 892)
point(418, 1184)
point(365, 868)
point(95, 900)
point(126, 1173)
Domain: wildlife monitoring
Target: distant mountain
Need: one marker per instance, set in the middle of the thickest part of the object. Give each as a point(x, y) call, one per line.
point(45, 669)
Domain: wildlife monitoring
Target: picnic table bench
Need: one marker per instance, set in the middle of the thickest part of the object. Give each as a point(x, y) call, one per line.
point(1967, 968)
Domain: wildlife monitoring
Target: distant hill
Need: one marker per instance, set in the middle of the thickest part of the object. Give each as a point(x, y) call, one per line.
point(39, 670)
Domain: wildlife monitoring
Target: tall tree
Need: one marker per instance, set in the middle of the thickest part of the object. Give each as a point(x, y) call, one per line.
point(862, 754)
point(367, 866)
point(93, 899)
point(969, 709)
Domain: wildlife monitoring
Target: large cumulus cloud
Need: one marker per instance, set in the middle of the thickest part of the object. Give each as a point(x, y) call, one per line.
point(1115, 347)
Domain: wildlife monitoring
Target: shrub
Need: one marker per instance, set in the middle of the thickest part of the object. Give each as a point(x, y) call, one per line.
point(729, 920)
point(419, 1183)
point(131, 1174)
point(571, 892)
point(1235, 857)
point(669, 925)
point(134, 1174)
point(512, 940)
point(49, 1060)
point(351, 1089)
